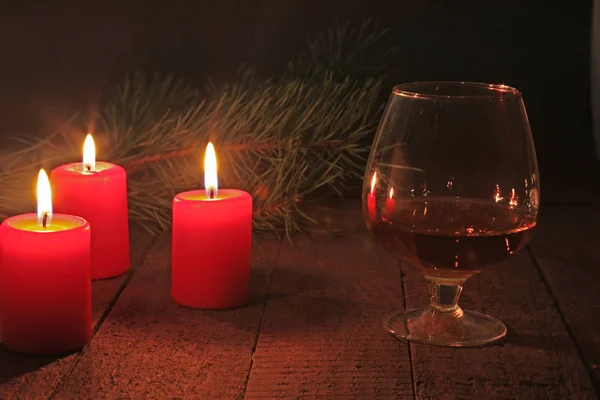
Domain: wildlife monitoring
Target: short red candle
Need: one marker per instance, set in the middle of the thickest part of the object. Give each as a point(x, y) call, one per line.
point(212, 241)
point(371, 201)
point(45, 284)
point(100, 196)
point(390, 205)
point(371, 207)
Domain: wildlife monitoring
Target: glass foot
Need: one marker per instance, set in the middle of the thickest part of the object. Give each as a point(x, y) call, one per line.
point(453, 328)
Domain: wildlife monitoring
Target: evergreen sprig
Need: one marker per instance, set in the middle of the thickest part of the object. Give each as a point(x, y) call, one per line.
point(360, 51)
point(284, 140)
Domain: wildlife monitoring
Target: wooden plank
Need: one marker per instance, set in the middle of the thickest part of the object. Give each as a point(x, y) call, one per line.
point(321, 335)
point(566, 248)
point(103, 291)
point(149, 347)
point(26, 376)
point(537, 360)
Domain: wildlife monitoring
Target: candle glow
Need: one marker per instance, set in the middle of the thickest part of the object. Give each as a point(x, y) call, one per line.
point(89, 154)
point(514, 199)
point(211, 183)
point(44, 199)
point(497, 194)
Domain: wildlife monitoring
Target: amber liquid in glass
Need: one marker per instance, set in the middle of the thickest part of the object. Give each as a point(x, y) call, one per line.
point(453, 238)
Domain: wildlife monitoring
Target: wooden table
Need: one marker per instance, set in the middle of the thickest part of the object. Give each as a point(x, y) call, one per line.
point(312, 328)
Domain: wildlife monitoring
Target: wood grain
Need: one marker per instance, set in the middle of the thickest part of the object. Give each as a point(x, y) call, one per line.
point(149, 347)
point(321, 335)
point(104, 291)
point(312, 328)
point(566, 248)
point(537, 359)
point(34, 377)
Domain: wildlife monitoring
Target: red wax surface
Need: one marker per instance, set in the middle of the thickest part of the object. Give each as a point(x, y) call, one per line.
point(45, 284)
point(101, 198)
point(212, 242)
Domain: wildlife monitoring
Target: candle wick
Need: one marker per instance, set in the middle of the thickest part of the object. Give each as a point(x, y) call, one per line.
point(45, 220)
point(211, 193)
point(88, 167)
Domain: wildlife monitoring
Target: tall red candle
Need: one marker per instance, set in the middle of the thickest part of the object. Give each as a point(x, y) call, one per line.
point(211, 248)
point(97, 191)
point(45, 284)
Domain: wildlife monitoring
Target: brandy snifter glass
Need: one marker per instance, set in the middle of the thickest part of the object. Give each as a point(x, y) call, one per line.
point(451, 186)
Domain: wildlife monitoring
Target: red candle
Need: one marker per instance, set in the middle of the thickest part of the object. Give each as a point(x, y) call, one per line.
point(371, 206)
point(390, 205)
point(97, 191)
point(45, 284)
point(212, 239)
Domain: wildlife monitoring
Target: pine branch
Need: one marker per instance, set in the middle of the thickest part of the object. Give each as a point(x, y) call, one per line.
point(345, 50)
point(282, 140)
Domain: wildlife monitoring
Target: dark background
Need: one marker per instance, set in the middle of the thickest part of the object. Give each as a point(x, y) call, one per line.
point(60, 57)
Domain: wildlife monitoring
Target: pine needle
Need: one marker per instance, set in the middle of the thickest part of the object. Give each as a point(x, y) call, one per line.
point(280, 139)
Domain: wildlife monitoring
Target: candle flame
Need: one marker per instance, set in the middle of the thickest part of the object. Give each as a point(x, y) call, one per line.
point(211, 183)
point(373, 182)
point(498, 194)
point(44, 199)
point(391, 193)
point(514, 199)
point(89, 154)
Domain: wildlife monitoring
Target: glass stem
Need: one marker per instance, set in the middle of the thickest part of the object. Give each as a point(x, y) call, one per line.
point(444, 297)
